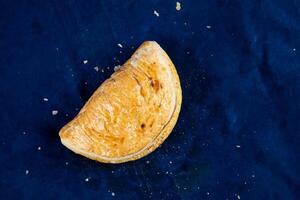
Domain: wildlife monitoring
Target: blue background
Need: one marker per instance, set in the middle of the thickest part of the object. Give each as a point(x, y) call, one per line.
point(238, 134)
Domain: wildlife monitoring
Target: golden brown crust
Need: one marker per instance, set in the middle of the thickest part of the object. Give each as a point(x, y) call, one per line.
point(131, 113)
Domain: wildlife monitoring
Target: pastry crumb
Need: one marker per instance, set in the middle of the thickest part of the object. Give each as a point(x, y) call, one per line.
point(120, 45)
point(45, 99)
point(208, 27)
point(96, 68)
point(238, 146)
point(24, 133)
point(39, 148)
point(147, 161)
point(156, 13)
point(27, 172)
point(87, 179)
point(85, 61)
point(113, 194)
point(178, 6)
point(54, 112)
point(116, 68)
point(67, 163)
point(238, 196)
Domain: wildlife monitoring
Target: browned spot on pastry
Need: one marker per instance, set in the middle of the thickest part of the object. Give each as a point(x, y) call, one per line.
point(143, 125)
point(151, 124)
point(142, 92)
point(155, 84)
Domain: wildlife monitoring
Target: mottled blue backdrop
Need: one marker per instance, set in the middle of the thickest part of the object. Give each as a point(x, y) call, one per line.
point(238, 134)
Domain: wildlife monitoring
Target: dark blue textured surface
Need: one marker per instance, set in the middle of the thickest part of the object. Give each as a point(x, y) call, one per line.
point(238, 135)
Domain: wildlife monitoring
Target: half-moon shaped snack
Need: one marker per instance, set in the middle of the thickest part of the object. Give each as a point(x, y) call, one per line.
point(131, 113)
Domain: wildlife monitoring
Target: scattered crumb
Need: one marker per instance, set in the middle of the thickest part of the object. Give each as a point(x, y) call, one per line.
point(185, 23)
point(147, 161)
point(54, 112)
point(116, 68)
point(156, 13)
point(107, 67)
point(294, 49)
point(27, 172)
point(102, 70)
point(45, 99)
point(253, 175)
point(67, 114)
point(187, 52)
point(57, 48)
point(24, 133)
point(132, 47)
point(87, 179)
point(120, 45)
point(67, 163)
point(237, 146)
point(207, 193)
point(85, 61)
point(39, 148)
point(113, 194)
point(170, 162)
point(96, 68)
point(208, 27)
point(178, 6)
point(238, 196)
point(121, 51)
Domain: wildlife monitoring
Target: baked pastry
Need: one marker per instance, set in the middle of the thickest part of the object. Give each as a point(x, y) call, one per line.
point(131, 113)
